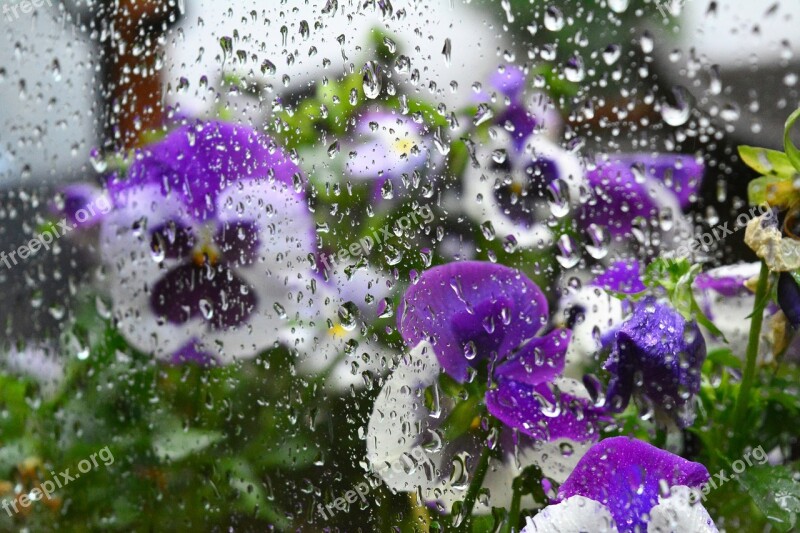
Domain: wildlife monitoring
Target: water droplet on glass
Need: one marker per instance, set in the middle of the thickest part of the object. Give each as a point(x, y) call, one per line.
point(618, 6)
point(553, 18)
point(372, 80)
point(569, 252)
point(677, 111)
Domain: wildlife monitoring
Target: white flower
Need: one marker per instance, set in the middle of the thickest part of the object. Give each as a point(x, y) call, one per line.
point(519, 191)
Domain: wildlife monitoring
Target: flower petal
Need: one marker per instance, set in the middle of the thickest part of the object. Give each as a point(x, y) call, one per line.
point(626, 476)
point(539, 361)
point(666, 351)
point(678, 514)
point(574, 515)
point(621, 276)
point(542, 414)
point(469, 306)
point(196, 162)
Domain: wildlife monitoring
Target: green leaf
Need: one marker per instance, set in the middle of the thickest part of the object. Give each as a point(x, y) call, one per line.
point(252, 494)
point(776, 493)
point(724, 357)
point(791, 150)
point(765, 161)
point(174, 443)
point(772, 190)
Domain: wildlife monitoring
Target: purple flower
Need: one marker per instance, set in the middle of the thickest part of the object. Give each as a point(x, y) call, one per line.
point(465, 319)
point(207, 244)
point(657, 354)
point(789, 298)
point(727, 301)
point(520, 190)
point(594, 315)
point(476, 314)
point(521, 115)
point(631, 187)
point(627, 486)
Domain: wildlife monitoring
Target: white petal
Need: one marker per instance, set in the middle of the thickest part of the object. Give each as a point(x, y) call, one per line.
point(677, 514)
point(132, 271)
point(601, 314)
point(400, 422)
point(576, 514)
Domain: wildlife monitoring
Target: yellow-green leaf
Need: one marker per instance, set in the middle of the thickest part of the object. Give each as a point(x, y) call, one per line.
point(766, 161)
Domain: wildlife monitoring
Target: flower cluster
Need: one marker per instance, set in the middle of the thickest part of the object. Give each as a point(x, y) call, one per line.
point(224, 244)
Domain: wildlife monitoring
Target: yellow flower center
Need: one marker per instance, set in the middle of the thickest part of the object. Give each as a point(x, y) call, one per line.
point(207, 251)
point(337, 331)
point(516, 188)
point(404, 146)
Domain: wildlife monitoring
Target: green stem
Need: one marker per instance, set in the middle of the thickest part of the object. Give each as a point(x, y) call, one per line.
point(474, 487)
point(749, 375)
point(513, 513)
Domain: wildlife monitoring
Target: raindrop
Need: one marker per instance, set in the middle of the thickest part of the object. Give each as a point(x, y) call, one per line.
point(600, 239)
point(333, 149)
point(553, 18)
point(618, 6)
point(611, 54)
point(268, 67)
point(372, 79)
point(569, 252)
point(558, 198)
point(574, 69)
point(206, 309)
point(482, 114)
point(678, 113)
point(348, 315)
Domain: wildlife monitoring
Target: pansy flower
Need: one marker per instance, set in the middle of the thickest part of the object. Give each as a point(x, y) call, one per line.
point(521, 114)
point(657, 356)
point(727, 300)
point(387, 146)
point(333, 339)
point(520, 188)
point(641, 196)
point(624, 485)
point(593, 313)
point(468, 320)
point(206, 247)
point(520, 179)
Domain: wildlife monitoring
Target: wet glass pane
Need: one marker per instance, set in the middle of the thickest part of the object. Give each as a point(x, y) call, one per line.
point(372, 265)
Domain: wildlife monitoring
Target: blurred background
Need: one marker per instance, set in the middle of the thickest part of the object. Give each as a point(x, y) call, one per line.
point(83, 80)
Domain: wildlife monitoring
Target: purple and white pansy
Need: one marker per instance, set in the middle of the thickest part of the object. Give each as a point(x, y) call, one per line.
point(464, 319)
point(333, 341)
point(388, 145)
point(520, 113)
point(206, 247)
point(725, 298)
point(624, 485)
point(593, 314)
point(520, 189)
